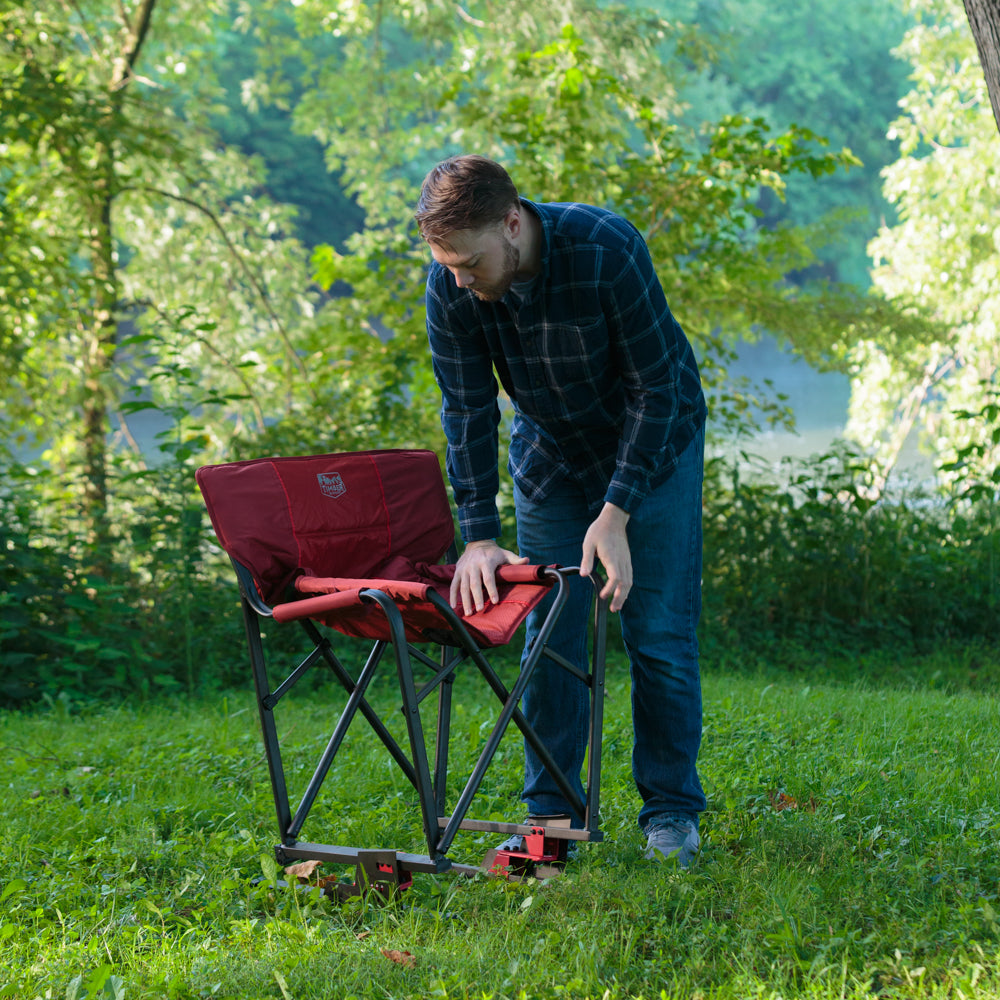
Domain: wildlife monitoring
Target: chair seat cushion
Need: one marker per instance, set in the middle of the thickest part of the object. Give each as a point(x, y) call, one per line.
point(338, 602)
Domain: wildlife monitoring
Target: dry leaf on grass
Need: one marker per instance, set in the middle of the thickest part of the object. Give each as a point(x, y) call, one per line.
point(404, 958)
point(780, 801)
point(303, 870)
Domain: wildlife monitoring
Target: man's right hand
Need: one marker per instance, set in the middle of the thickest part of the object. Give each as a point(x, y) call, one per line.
point(475, 575)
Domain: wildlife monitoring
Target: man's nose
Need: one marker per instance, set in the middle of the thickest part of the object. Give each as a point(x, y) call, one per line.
point(462, 278)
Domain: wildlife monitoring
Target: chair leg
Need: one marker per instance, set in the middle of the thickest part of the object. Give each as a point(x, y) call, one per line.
point(348, 684)
point(269, 731)
point(411, 711)
point(431, 793)
point(336, 739)
point(445, 691)
point(597, 692)
point(510, 712)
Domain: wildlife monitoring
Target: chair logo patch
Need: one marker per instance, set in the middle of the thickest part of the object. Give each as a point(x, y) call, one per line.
point(331, 484)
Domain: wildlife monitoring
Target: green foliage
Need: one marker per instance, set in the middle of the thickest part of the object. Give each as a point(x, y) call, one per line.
point(825, 66)
point(580, 105)
point(296, 171)
point(158, 618)
point(942, 255)
point(144, 270)
point(810, 554)
point(126, 214)
point(817, 551)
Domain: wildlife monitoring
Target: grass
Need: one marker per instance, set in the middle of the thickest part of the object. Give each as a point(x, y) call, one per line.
point(852, 849)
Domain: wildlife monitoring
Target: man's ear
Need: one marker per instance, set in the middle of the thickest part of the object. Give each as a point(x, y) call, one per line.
point(512, 222)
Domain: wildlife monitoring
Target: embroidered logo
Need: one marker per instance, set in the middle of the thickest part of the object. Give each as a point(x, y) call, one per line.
point(331, 484)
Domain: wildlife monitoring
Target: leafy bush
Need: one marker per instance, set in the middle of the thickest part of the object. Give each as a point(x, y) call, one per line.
point(807, 555)
point(147, 617)
point(815, 551)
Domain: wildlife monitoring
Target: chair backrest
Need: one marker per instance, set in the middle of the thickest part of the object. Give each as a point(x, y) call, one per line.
point(328, 515)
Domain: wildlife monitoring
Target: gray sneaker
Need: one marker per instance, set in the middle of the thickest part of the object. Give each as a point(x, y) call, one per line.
point(672, 837)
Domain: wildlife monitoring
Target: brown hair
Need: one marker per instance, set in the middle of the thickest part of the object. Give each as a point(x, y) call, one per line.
point(463, 192)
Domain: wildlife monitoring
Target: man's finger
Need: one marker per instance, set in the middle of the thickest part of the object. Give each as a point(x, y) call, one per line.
point(475, 602)
point(617, 591)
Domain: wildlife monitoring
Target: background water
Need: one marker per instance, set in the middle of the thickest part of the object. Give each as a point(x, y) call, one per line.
point(819, 401)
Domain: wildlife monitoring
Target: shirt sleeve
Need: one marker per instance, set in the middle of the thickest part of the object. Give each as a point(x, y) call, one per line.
point(470, 413)
point(651, 352)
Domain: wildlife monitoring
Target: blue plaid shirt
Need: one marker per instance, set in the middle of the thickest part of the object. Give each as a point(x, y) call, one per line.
point(603, 382)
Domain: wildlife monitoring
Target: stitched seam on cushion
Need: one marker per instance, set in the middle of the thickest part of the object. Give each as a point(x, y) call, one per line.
point(291, 516)
point(385, 507)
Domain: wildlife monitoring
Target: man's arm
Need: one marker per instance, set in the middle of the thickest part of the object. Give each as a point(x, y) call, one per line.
point(659, 374)
point(470, 415)
point(651, 353)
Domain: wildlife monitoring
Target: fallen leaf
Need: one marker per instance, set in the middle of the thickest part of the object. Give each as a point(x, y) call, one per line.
point(303, 870)
point(404, 958)
point(780, 801)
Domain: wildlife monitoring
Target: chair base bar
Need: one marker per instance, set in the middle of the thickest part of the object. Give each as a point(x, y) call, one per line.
point(302, 851)
point(554, 832)
point(386, 873)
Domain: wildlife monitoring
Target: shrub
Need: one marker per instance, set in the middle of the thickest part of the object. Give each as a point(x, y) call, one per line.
point(806, 554)
point(813, 550)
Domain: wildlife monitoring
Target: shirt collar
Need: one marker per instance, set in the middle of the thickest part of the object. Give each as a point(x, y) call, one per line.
point(527, 290)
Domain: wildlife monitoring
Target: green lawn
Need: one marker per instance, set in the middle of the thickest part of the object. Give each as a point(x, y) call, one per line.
point(852, 849)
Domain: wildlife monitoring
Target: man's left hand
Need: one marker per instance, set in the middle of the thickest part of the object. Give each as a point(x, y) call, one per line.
point(607, 542)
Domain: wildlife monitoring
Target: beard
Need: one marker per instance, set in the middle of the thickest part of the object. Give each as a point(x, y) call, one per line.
point(498, 289)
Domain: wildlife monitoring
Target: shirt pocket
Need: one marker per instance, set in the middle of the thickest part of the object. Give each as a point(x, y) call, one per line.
point(577, 356)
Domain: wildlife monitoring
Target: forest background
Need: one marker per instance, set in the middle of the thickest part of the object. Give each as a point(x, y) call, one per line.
point(206, 219)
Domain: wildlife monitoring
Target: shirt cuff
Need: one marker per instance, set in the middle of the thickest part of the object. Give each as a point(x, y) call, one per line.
point(479, 522)
point(628, 498)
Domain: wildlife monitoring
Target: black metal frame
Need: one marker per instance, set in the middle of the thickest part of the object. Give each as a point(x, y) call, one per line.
point(440, 830)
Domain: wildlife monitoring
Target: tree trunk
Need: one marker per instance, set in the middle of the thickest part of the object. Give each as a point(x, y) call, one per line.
point(984, 19)
point(98, 357)
point(100, 337)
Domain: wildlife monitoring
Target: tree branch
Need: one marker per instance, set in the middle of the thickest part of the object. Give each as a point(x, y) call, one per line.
point(137, 30)
point(251, 277)
point(212, 349)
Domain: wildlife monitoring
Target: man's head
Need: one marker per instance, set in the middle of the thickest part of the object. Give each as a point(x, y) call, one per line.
point(470, 215)
point(464, 192)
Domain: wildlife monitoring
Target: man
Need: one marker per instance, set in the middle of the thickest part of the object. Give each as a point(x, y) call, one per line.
point(606, 453)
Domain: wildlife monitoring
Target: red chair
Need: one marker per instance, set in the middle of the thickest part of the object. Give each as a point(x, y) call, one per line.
point(352, 543)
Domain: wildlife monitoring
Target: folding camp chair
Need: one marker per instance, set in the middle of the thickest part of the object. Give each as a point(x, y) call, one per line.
point(352, 543)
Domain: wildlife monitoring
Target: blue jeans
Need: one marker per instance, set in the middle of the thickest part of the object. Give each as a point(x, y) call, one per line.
point(658, 623)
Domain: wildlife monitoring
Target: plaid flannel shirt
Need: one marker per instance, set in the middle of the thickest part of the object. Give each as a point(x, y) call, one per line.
point(603, 383)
